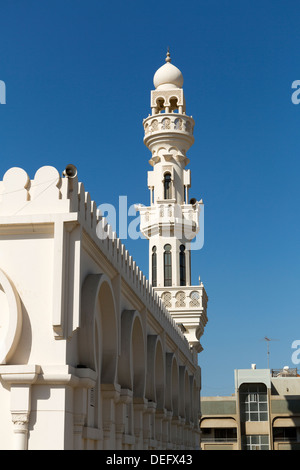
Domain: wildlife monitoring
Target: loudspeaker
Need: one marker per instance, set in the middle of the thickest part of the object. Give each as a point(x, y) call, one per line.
point(70, 171)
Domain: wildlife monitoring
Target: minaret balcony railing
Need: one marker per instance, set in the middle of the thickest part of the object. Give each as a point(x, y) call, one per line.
point(171, 122)
point(185, 216)
point(188, 307)
point(191, 298)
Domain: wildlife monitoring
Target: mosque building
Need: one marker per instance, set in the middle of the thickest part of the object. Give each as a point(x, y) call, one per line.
point(93, 355)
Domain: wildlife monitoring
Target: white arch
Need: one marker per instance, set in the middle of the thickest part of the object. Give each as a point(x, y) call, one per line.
point(172, 379)
point(98, 307)
point(11, 318)
point(155, 385)
point(132, 360)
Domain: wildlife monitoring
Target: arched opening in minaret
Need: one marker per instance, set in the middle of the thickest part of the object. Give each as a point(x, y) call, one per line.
point(160, 105)
point(173, 104)
point(167, 186)
point(182, 265)
point(154, 267)
point(167, 265)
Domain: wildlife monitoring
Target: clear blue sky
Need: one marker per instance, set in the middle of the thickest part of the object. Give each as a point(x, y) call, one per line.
point(78, 76)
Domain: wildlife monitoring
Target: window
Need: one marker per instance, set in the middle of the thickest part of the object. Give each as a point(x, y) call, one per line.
point(254, 402)
point(225, 434)
point(285, 434)
point(255, 442)
point(167, 265)
point(182, 265)
point(167, 186)
point(154, 267)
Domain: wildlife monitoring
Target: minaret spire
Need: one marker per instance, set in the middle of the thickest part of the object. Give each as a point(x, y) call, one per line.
point(172, 221)
point(168, 58)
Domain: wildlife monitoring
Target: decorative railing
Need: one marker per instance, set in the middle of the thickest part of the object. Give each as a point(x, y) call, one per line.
point(189, 297)
point(185, 214)
point(169, 122)
point(285, 372)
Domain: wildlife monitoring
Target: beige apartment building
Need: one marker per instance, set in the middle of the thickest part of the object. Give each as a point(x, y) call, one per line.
point(262, 414)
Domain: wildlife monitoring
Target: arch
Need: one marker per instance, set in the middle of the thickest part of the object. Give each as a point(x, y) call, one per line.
point(173, 103)
point(159, 376)
point(160, 104)
point(194, 296)
point(185, 394)
point(187, 397)
point(11, 318)
point(180, 299)
point(167, 265)
point(166, 297)
point(166, 124)
point(131, 370)
point(175, 388)
point(99, 351)
point(154, 266)
point(182, 265)
point(172, 379)
point(155, 386)
point(178, 124)
point(167, 185)
point(194, 401)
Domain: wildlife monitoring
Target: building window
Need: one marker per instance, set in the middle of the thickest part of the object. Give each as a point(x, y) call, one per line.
point(285, 434)
point(254, 402)
point(225, 434)
point(255, 442)
point(167, 265)
point(154, 267)
point(182, 265)
point(167, 186)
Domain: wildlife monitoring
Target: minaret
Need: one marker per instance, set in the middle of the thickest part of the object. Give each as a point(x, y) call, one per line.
point(171, 221)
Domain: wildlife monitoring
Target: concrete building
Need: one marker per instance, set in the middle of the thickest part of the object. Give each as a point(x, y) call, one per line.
point(90, 356)
point(262, 414)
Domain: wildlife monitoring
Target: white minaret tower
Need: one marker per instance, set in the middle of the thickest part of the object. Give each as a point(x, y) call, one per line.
point(172, 221)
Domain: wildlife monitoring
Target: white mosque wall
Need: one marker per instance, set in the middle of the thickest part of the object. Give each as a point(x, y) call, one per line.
point(89, 356)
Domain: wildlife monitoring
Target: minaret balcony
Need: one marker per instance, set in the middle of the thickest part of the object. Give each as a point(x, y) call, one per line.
point(166, 216)
point(188, 307)
point(173, 124)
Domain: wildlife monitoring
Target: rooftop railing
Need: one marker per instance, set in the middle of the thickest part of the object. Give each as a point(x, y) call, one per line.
point(285, 372)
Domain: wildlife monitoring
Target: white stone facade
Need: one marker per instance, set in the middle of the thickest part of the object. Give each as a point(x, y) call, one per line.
point(91, 357)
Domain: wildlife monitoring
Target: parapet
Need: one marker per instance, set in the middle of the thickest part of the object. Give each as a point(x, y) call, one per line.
point(49, 197)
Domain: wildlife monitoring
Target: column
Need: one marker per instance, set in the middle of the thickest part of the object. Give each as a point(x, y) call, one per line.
point(20, 378)
point(139, 407)
point(110, 396)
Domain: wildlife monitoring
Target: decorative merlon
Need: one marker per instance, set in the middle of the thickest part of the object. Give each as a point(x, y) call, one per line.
point(52, 199)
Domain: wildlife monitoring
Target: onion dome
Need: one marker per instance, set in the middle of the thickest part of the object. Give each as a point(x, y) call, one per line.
point(168, 76)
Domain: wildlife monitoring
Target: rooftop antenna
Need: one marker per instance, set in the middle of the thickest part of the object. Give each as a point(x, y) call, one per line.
point(268, 350)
